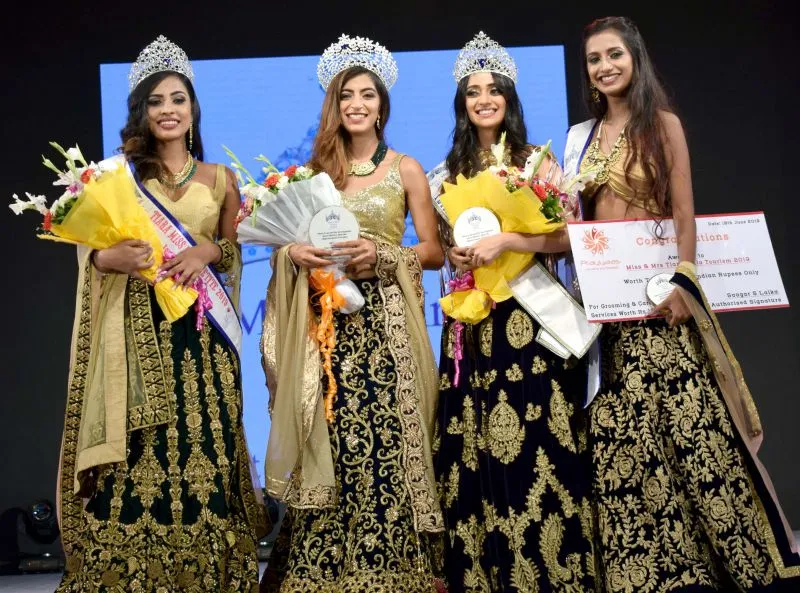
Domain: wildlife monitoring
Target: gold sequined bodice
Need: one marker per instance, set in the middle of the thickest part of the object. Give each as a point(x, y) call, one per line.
point(381, 207)
point(637, 192)
point(198, 208)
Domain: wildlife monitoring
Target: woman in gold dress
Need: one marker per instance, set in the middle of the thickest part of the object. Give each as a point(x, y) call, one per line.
point(360, 490)
point(683, 503)
point(156, 492)
point(511, 461)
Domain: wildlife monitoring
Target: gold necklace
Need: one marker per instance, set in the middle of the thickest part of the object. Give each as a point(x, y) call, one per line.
point(487, 157)
point(596, 157)
point(368, 167)
point(182, 177)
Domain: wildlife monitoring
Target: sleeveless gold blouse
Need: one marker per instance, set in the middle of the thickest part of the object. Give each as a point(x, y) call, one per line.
point(612, 174)
point(381, 207)
point(198, 208)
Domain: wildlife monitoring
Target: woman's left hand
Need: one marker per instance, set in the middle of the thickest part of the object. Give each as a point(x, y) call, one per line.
point(187, 266)
point(360, 272)
point(674, 309)
point(488, 249)
point(361, 251)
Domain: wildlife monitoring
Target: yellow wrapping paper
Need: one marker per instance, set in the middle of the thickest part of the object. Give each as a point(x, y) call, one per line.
point(108, 212)
point(518, 212)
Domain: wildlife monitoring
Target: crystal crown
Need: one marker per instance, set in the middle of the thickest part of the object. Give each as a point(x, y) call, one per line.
point(356, 51)
point(160, 56)
point(483, 54)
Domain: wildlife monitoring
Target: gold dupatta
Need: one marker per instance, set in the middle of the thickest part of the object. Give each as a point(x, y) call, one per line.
point(737, 398)
point(299, 463)
point(116, 381)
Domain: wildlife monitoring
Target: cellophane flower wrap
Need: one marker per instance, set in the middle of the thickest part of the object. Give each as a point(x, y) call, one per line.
point(509, 195)
point(99, 209)
point(277, 212)
point(523, 202)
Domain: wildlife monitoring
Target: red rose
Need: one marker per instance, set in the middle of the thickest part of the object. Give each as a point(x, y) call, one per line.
point(540, 192)
point(502, 173)
point(48, 220)
point(290, 171)
point(272, 180)
point(87, 175)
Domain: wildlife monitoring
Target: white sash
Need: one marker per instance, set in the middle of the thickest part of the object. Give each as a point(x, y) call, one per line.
point(222, 314)
point(564, 329)
point(578, 139)
point(436, 177)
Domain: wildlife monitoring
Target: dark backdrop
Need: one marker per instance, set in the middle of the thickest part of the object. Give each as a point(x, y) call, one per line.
point(732, 69)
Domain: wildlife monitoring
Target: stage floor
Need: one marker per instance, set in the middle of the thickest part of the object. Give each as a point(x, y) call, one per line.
point(47, 582)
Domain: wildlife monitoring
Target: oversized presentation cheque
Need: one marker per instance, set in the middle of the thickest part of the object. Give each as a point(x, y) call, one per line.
point(617, 261)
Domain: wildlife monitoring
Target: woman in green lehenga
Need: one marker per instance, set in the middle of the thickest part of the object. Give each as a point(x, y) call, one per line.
point(156, 491)
point(360, 486)
point(683, 502)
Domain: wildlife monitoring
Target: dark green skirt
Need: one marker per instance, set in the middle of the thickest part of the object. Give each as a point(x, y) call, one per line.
point(180, 514)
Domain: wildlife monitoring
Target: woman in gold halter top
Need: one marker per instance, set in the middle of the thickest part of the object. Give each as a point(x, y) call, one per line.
point(682, 501)
point(360, 489)
point(166, 502)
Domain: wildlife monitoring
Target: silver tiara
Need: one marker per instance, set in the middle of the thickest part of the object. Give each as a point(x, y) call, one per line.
point(356, 51)
point(160, 56)
point(483, 54)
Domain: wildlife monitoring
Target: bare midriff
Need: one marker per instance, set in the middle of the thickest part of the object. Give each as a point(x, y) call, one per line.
point(609, 206)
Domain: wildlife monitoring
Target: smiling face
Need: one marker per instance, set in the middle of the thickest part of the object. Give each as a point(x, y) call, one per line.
point(486, 105)
point(169, 109)
point(359, 104)
point(609, 63)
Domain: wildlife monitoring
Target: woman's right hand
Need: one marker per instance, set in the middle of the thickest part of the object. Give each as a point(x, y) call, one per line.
point(308, 256)
point(460, 257)
point(126, 257)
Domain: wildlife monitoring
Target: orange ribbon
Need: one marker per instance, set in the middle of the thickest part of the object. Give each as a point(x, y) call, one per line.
point(324, 283)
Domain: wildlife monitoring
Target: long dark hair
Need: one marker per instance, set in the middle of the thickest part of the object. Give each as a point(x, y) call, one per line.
point(464, 156)
point(646, 98)
point(138, 142)
point(329, 153)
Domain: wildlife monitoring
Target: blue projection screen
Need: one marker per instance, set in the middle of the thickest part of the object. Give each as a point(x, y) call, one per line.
point(271, 106)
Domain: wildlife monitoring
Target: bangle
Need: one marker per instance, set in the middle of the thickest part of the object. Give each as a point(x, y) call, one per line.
point(93, 260)
point(687, 266)
point(227, 256)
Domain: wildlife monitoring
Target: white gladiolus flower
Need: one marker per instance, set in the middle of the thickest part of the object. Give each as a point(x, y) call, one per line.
point(75, 155)
point(499, 150)
point(38, 203)
point(259, 193)
point(67, 196)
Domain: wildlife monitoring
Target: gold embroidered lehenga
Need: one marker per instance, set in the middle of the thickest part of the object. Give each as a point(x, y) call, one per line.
point(683, 503)
point(361, 491)
point(512, 461)
point(154, 439)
